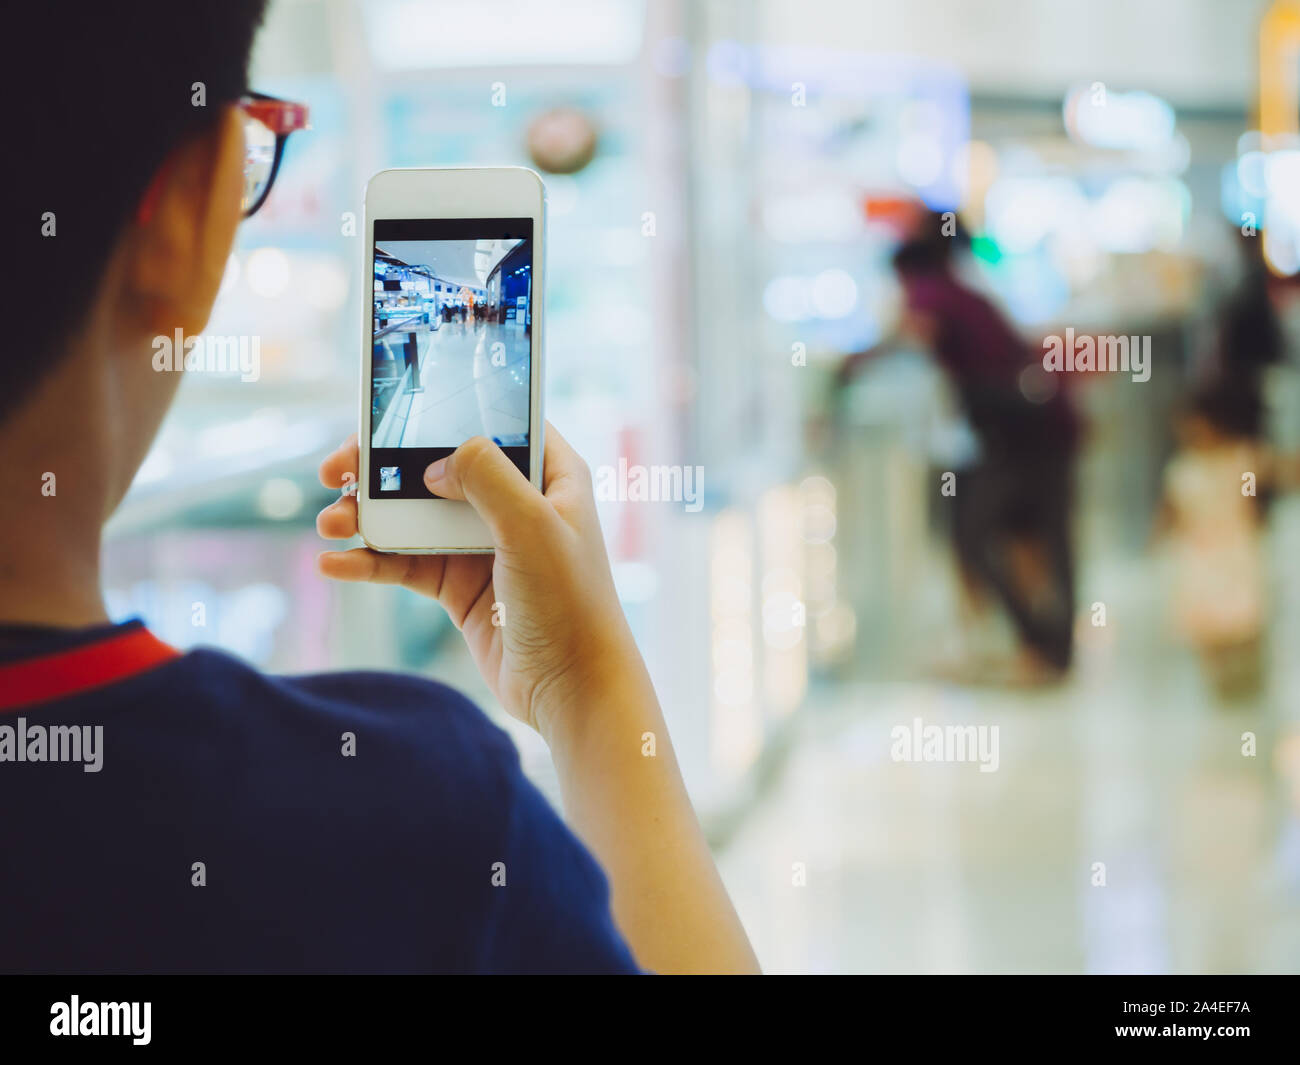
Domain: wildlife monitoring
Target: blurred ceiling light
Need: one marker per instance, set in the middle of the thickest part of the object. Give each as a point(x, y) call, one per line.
point(1137, 215)
point(782, 582)
point(836, 628)
point(817, 490)
point(1280, 250)
point(268, 272)
point(279, 498)
point(731, 593)
point(735, 688)
point(1252, 174)
point(1282, 212)
point(920, 160)
point(834, 293)
point(780, 632)
point(417, 35)
point(1179, 154)
point(1282, 182)
point(831, 294)
point(825, 215)
point(1119, 120)
point(786, 299)
point(1170, 157)
point(818, 523)
point(822, 561)
point(1021, 212)
point(733, 659)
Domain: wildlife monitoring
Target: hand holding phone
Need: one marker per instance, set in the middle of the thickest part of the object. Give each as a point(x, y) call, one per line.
point(451, 339)
point(560, 656)
point(542, 619)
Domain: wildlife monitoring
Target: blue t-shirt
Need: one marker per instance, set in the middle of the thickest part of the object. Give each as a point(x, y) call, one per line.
point(240, 822)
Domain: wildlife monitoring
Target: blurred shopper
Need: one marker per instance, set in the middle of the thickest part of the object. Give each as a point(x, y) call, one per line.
point(1247, 334)
point(1245, 339)
point(241, 822)
point(1011, 509)
point(1218, 483)
point(1221, 477)
point(1211, 515)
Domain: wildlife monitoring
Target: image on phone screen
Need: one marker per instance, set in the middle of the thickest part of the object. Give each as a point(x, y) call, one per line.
point(451, 351)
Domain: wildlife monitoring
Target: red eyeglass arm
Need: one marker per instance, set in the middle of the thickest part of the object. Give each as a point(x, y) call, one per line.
point(279, 116)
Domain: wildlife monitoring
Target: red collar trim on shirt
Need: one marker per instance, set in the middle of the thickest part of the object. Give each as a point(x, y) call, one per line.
point(80, 669)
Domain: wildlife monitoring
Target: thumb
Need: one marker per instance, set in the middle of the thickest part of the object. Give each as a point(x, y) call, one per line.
point(480, 473)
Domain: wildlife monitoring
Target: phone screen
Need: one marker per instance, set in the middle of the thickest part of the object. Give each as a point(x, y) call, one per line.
point(451, 350)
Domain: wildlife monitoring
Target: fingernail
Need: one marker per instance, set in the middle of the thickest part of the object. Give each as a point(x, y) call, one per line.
point(435, 472)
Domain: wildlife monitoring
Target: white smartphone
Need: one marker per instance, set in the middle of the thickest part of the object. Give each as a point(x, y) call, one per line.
point(451, 342)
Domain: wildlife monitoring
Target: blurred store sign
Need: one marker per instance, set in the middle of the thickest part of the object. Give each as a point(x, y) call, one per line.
point(902, 122)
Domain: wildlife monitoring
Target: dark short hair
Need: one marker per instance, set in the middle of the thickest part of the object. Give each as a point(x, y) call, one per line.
point(1231, 402)
point(931, 244)
point(96, 96)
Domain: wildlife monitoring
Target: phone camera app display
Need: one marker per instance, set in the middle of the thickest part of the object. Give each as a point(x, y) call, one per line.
point(451, 344)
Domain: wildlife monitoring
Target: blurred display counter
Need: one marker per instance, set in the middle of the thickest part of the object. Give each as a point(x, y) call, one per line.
point(895, 434)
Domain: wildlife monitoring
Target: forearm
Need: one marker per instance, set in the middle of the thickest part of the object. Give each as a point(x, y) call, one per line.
point(624, 796)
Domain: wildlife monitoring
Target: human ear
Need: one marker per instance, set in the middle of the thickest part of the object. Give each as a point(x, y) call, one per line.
point(180, 239)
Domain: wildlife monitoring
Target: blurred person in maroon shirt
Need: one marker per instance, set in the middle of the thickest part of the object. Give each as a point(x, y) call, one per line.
point(1011, 522)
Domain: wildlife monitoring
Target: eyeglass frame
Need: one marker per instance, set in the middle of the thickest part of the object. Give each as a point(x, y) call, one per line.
point(281, 117)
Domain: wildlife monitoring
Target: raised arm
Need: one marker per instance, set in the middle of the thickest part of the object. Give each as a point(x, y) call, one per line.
point(564, 661)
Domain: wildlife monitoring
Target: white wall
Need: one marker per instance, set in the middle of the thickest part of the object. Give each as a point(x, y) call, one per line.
point(1193, 52)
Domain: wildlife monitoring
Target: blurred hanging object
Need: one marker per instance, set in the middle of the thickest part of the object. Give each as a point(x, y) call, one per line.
point(562, 140)
point(1279, 126)
point(1279, 79)
point(897, 215)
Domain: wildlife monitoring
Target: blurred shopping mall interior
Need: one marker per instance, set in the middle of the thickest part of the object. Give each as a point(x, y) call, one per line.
point(728, 183)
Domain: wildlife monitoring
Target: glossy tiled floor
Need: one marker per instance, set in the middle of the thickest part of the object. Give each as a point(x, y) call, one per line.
point(922, 867)
point(933, 867)
point(466, 393)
